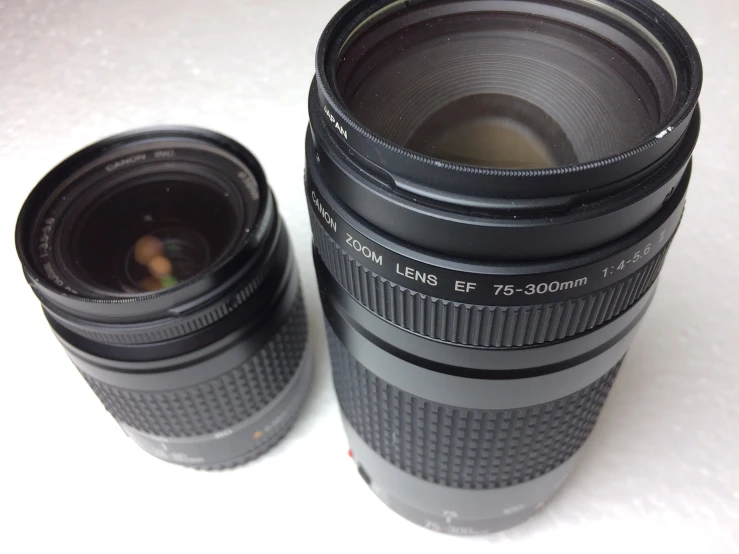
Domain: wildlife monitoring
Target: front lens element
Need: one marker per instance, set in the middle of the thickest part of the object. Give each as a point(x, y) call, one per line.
point(506, 84)
point(152, 235)
point(494, 130)
point(146, 218)
point(164, 258)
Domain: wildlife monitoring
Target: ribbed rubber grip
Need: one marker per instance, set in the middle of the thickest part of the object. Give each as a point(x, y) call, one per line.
point(459, 447)
point(220, 402)
point(474, 325)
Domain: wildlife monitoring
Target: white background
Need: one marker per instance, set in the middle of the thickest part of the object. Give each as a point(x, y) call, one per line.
point(660, 473)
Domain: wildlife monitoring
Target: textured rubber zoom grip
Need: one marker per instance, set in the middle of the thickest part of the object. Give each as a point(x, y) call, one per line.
point(460, 447)
point(475, 325)
point(221, 402)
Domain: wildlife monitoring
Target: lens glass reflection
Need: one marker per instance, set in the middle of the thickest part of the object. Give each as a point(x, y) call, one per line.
point(152, 235)
point(502, 90)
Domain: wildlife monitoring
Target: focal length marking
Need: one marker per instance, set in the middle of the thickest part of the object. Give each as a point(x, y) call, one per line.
point(540, 288)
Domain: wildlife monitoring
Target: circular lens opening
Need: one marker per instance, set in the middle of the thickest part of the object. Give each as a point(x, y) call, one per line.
point(141, 214)
point(512, 85)
point(151, 234)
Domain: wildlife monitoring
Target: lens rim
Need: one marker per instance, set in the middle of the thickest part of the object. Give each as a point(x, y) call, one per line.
point(231, 267)
point(475, 186)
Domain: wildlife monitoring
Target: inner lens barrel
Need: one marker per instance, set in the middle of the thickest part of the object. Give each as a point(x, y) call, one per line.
point(166, 273)
point(493, 187)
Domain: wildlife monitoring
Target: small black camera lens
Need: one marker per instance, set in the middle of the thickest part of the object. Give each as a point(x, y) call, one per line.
point(164, 269)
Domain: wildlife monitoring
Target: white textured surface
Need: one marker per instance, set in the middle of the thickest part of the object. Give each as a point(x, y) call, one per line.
point(661, 472)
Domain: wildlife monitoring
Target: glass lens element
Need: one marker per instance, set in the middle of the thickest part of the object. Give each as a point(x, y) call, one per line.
point(493, 130)
point(504, 90)
point(151, 235)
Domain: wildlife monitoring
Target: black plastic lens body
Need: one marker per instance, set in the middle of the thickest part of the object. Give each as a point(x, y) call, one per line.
point(478, 313)
point(164, 269)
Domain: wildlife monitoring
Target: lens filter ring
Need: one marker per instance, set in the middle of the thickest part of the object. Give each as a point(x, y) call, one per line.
point(660, 39)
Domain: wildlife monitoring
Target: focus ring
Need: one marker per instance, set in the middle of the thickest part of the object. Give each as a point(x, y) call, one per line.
point(221, 402)
point(460, 447)
point(184, 325)
point(476, 325)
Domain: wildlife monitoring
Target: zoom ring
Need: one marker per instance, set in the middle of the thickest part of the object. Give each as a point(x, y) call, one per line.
point(184, 325)
point(476, 325)
point(460, 447)
point(221, 402)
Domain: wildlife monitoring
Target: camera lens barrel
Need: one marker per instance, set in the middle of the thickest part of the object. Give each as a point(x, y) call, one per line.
point(165, 271)
point(478, 315)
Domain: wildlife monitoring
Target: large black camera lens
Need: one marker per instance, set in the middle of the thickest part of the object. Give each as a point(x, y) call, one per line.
point(166, 272)
point(494, 186)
